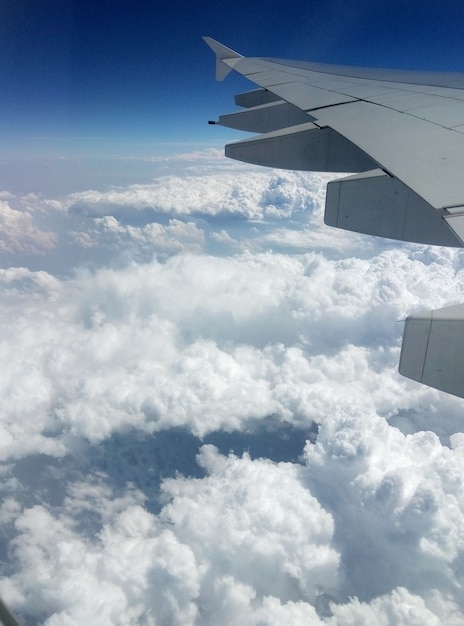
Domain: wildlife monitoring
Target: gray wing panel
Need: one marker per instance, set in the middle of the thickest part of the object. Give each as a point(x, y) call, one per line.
point(426, 157)
point(433, 345)
point(377, 204)
point(301, 147)
point(449, 113)
point(265, 118)
point(403, 127)
point(307, 97)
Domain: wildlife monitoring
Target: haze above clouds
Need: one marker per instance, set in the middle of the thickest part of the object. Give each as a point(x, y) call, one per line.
point(202, 416)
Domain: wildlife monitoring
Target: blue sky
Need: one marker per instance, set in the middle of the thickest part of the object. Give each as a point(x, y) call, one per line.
point(85, 77)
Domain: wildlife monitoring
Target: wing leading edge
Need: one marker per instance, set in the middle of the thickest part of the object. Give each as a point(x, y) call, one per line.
point(401, 132)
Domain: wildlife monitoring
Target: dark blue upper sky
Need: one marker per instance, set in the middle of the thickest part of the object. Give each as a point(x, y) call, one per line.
point(90, 76)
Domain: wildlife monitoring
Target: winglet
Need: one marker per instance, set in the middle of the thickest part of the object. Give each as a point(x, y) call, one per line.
point(225, 57)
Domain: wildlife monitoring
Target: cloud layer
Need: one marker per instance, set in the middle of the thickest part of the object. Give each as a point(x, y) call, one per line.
point(214, 301)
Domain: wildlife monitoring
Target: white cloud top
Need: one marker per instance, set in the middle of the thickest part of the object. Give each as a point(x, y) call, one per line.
point(19, 234)
point(214, 300)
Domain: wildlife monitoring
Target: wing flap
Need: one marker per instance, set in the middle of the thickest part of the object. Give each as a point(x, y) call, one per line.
point(377, 204)
point(432, 349)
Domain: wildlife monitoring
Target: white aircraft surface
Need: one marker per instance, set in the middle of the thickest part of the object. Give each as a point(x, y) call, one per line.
point(402, 132)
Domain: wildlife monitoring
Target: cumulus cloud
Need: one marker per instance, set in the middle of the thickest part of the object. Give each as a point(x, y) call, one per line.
point(252, 195)
point(250, 541)
point(243, 541)
point(168, 239)
point(213, 299)
point(207, 343)
point(19, 233)
point(400, 504)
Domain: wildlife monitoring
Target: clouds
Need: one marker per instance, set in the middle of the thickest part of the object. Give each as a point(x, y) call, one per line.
point(252, 540)
point(176, 236)
point(394, 493)
point(207, 185)
point(19, 234)
point(197, 202)
point(237, 542)
point(398, 607)
point(208, 343)
point(209, 301)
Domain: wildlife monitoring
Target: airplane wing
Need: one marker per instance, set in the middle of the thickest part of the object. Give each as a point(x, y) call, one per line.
point(401, 133)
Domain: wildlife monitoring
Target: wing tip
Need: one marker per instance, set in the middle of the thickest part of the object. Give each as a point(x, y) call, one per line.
point(225, 57)
point(220, 50)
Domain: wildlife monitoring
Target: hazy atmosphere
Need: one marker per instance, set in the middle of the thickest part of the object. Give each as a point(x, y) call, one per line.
point(202, 421)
